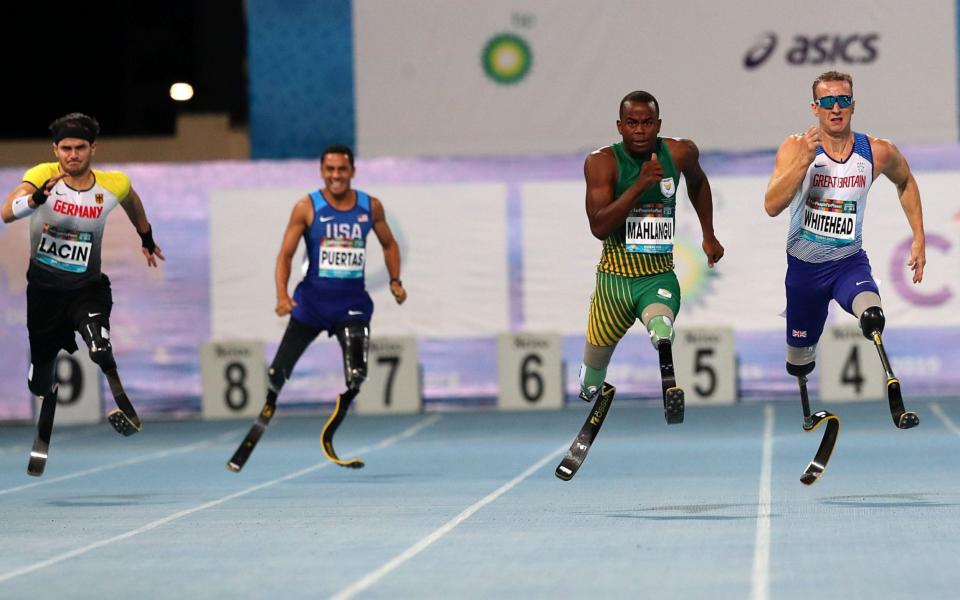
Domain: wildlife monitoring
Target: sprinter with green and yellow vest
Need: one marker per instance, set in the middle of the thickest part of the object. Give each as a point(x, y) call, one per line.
point(67, 202)
point(631, 205)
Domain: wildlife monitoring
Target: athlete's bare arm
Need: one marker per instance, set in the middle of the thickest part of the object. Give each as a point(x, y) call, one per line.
point(300, 218)
point(698, 188)
point(133, 206)
point(25, 189)
point(890, 162)
point(606, 213)
point(793, 158)
point(391, 250)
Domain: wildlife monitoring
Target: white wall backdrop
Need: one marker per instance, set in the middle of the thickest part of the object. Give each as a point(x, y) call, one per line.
point(735, 77)
point(453, 256)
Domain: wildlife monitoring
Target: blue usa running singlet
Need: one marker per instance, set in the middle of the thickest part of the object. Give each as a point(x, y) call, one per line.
point(337, 244)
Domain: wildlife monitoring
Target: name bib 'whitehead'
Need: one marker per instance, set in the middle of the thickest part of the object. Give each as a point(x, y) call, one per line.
point(831, 222)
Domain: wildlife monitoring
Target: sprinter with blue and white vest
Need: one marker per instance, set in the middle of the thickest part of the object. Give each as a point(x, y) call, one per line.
point(823, 176)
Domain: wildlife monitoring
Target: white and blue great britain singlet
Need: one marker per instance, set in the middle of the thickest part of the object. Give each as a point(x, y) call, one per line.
point(826, 214)
point(337, 244)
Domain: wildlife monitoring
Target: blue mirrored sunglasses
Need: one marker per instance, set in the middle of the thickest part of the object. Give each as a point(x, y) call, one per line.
point(827, 102)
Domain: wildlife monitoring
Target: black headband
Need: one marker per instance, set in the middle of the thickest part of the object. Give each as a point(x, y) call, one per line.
point(73, 131)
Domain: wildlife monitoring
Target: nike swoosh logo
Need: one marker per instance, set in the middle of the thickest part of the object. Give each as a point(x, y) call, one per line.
point(816, 166)
point(325, 219)
point(94, 314)
point(354, 312)
point(863, 282)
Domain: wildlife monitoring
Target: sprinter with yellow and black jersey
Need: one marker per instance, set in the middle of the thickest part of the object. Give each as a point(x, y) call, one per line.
point(68, 202)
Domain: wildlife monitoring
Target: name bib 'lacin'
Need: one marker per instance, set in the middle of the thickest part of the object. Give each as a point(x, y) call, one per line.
point(65, 249)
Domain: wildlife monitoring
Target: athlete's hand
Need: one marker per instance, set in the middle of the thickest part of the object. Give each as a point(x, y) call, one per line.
point(152, 258)
point(811, 140)
point(284, 306)
point(918, 259)
point(46, 188)
point(399, 294)
point(713, 249)
point(650, 173)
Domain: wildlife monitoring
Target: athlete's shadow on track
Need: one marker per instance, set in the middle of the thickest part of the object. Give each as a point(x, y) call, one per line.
point(363, 476)
point(688, 512)
point(109, 500)
point(886, 501)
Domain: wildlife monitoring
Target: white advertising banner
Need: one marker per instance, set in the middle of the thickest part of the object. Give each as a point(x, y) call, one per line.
point(745, 289)
point(453, 257)
point(461, 77)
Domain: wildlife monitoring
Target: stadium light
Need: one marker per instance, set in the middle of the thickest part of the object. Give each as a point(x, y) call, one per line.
point(181, 92)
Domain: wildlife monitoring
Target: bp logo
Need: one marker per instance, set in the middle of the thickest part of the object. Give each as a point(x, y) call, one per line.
point(507, 58)
point(696, 279)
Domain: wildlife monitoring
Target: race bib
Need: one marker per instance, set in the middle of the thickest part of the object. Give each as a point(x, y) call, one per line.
point(828, 221)
point(650, 229)
point(64, 249)
point(340, 259)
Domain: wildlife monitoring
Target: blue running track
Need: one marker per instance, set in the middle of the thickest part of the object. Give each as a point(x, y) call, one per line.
point(465, 505)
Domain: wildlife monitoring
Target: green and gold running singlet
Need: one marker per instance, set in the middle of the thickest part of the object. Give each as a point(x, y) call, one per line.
point(644, 245)
point(636, 266)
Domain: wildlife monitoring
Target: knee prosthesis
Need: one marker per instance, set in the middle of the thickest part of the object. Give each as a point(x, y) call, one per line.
point(97, 337)
point(872, 321)
point(658, 319)
point(593, 370)
point(800, 361)
point(354, 341)
point(275, 379)
point(41, 378)
point(660, 328)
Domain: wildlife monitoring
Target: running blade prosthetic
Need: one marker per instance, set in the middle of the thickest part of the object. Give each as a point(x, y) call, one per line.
point(581, 445)
point(246, 447)
point(326, 436)
point(819, 463)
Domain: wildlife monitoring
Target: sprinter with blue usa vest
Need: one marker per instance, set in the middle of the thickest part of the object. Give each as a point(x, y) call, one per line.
point(823, 176)
point(334, 223)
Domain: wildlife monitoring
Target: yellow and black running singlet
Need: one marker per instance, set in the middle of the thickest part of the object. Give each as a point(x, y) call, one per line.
point(644, 244)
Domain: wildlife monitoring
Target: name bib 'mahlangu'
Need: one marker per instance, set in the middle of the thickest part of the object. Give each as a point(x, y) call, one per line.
point(650, 229)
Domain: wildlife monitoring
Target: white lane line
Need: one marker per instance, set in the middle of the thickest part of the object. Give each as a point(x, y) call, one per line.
point(183, 513)
point(374, 576)
point(761, 545)
point(124, 463)
point(935, 407)
point(57, 436)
